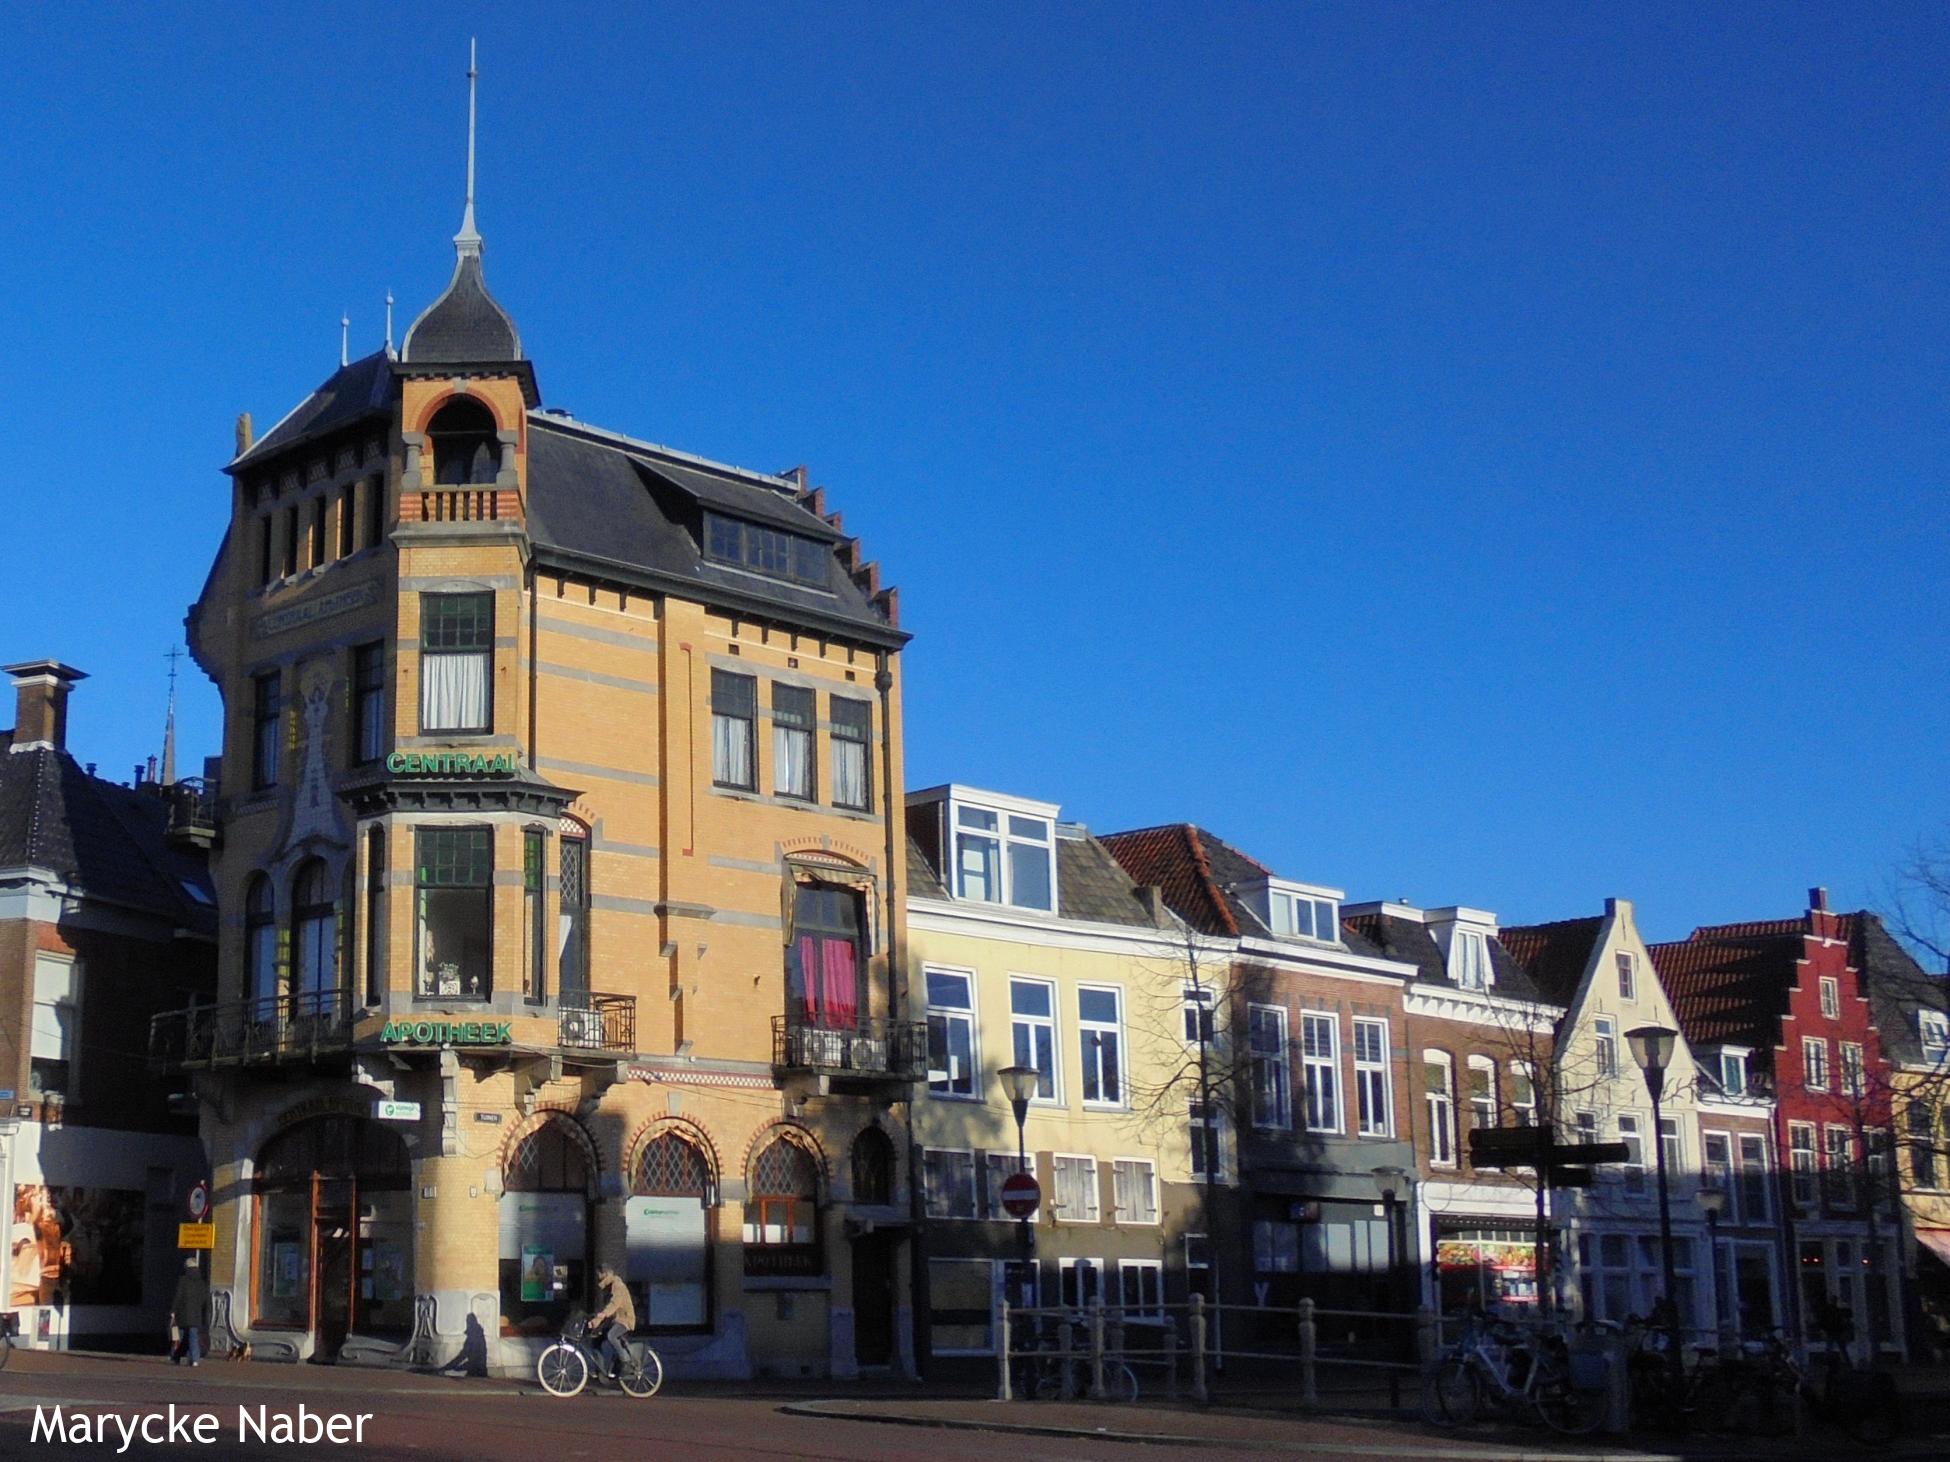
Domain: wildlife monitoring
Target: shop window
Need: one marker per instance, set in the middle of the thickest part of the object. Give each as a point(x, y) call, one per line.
point(56, 1044)
point(852, 763)
point(334, 1229)
point(824, 971)
point(572, 909)
point(261, 945)
point(457, 663)
point(873, 1167)
point(453, 876)
point(545, 1200)
point(315, 927)
point(781, 1216)
point(668, 1232)
point(466, 446)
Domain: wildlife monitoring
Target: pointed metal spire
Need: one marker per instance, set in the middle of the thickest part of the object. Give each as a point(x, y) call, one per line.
point(389, 324)
point(345, 339)
point(468, 240)
point(169, 723)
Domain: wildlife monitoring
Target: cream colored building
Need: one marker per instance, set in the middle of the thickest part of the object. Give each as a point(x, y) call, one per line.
point(1029, 945)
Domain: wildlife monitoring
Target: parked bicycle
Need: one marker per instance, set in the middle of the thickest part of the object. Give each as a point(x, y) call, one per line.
point(1047, 1374)
point(567, 1365)
point(1495, 1367)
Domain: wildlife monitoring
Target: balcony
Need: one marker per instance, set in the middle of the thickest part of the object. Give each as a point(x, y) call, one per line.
point(281, 1027)
point(586, 1022)
point(873, 1050)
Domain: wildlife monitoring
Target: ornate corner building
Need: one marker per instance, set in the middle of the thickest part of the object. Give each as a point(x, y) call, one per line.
point(558, 859)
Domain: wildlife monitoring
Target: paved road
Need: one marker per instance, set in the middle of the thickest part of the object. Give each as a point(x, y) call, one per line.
point(428, 1418)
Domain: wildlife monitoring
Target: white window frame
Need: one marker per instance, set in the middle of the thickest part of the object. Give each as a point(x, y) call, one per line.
point(1814, 1062)
point(1604, 1035)
point(1523, 1077)
point(1933, 1031)
point(1487, 1065)
point(1089, 1056)
point(970, 1016)
point(1442, 1108)
point(1739, 1057)
point(1760, 1211)
point(974, 1181)
point(48, 1040)
point(1297, 911)
point(1093, 1190)
point(1728, 1182)
point(1270, 1060)
point(1373, 1092)
point(1135, 1268)
point(1003, 836)
point(1628, 976)
point(1806, 1176)
point(1124, 1171)
point(1321, 1073)
point(1065, 1286)
point(1055, 1098)
point(1840, 1182)
point(1851, 1072)
point(1469, 957)
point(1216, 1125)
point(1204, 999)
point(1633, 1136)
point(1831, 997)
point(1675, 1155)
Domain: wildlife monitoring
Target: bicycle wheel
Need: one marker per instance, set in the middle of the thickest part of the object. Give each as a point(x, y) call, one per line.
point(1120, 1382)
point(6, 1349)
point(1452, 1394)
point(562, 1370)
point(1564, 1408)
point(641, 1372)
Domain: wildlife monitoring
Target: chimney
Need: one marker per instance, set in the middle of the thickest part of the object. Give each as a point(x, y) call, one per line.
point(1818, 899)
point(1151, 899)
point(41, 706)
point(246, 434)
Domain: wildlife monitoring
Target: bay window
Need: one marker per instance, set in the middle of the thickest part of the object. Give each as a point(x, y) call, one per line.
point(456, 663)
point(453, 885)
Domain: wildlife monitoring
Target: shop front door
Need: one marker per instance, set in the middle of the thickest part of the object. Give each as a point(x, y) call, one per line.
point(874, 1257)
point(334, 1230)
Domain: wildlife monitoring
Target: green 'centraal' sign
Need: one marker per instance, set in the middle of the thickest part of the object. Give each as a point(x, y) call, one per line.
point(451, 764)
point(448, 1033)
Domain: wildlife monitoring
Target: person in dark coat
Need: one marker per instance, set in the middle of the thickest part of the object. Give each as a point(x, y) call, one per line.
point(189, 1312)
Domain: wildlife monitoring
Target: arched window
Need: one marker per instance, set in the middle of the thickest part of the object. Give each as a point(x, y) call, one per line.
point(668, 1227)
point(782, 1214)
point(466, 448)
point(334, 1227)
point(572, 911)
point(261, 945)
point(315, 931)
point(873, 1167)
point(545, 1197)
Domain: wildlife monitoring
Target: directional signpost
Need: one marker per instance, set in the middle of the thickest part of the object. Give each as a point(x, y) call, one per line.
point(1564, 1164)
point(1020, 1195)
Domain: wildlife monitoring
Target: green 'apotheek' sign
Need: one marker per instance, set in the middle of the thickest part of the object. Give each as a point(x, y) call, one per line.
point(448, 1033)
point(451, 764)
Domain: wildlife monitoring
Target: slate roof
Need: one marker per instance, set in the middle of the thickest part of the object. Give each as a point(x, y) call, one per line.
point(603, 503)
point(1090, 884)
point(1414, 942)
point(103, 840)
point(1198, 874)
point(363, 388)
point(1553, 956)
point(465, 325)
point(1729, 991)
point(1898, 987)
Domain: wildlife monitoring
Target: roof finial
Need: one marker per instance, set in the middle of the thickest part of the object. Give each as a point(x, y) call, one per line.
point(345, 340)
point(468, 240)
point(389, 324)
point(169, 721)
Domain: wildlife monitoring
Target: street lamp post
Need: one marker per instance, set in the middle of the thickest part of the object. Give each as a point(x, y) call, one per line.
point(1652, 1048)
point(1712, 1202)
point(1388, 1178)
point(1019, 1085)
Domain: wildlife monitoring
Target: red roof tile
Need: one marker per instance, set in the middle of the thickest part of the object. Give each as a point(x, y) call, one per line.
point(1173, 857)
point(1730, 991)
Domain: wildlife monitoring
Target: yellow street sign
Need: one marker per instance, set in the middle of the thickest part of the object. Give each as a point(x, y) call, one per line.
point(196, 1236)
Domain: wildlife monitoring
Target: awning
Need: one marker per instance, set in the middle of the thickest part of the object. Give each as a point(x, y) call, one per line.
point(1937, 1241)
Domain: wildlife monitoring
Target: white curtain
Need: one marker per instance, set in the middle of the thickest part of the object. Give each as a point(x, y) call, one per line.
point(731, 751)
point(849, 773)
point(792, 760)
point(453, 692)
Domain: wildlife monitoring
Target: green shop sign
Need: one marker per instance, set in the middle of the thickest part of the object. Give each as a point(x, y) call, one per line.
point(448, 1033)
point(451, 764)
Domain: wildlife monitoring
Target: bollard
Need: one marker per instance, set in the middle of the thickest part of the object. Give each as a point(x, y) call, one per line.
point(1097, 1349)
point(1171, 1360)
point(1066, 1341)
point(1199, 1391)
point(1309, 1392)
point(1002, 1390)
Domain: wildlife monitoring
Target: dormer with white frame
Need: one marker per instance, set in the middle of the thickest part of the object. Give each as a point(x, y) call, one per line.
point(1463, 935)
point(992, 848)
point(1297, 911)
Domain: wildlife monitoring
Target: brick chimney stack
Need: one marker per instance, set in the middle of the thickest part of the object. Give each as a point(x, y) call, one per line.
point(1818, 899)
point(41, 706)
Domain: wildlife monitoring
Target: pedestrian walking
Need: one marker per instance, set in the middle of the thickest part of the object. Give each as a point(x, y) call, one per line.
point(189, 1312)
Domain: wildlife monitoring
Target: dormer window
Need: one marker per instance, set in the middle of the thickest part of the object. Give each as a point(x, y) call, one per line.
point(1933, 1029)
point(1303, 916)
point(466, 445)
point(1469, 960)
point(768, 551)
point(1733, 1073)
point(1004, 857)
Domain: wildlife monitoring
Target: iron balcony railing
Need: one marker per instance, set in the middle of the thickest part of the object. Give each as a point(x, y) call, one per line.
point(275, 1027)
point(586, 1022)
point(888, 1050)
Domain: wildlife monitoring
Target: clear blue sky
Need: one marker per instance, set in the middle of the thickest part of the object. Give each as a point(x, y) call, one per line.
point(1483, 454)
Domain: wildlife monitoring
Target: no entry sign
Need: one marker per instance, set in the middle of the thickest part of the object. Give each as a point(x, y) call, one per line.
point(1020, 1195)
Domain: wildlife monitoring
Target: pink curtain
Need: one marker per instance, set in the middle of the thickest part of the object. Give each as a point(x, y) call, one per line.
point(841, 986)
point(808, 991)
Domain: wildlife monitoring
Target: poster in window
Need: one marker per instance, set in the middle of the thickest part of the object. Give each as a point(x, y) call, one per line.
point(666, 1250)
point(537, 1273)
point(287, 1269)
point(82, 1245)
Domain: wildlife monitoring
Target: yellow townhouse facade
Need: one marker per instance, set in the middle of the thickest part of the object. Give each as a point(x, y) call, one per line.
point(1030, 947)
point(558, 886)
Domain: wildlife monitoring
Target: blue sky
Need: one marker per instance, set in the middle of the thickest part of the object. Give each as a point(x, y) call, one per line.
point(1482, 454)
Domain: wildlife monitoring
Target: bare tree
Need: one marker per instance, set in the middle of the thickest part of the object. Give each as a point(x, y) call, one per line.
point(1916, 901)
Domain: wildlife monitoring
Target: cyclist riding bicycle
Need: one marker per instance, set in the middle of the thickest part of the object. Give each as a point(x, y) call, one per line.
point(615, 1320)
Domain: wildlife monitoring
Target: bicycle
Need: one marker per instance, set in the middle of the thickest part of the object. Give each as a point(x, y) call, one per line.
point(9, 1324)
point(1049, 1376)
point(566, 1366)
point(1494, 1366)
point(1865, 1404)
